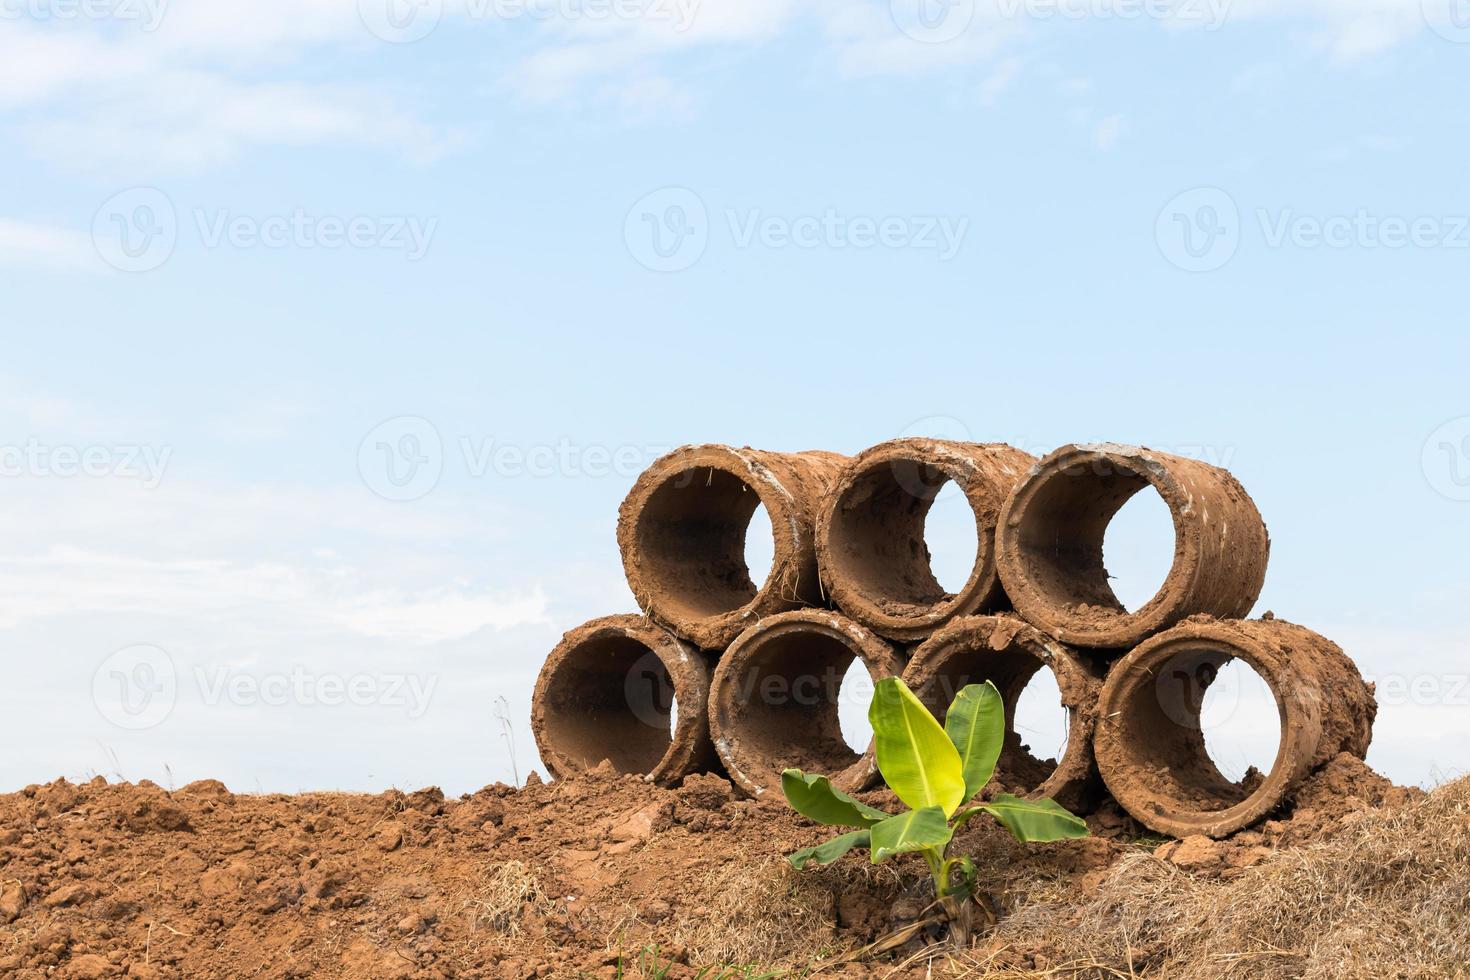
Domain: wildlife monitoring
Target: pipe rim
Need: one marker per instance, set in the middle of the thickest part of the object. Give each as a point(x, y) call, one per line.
point(670, 606)
point(842, 576)
point(1135, 677)
point(1051, 611)
point(745, 768)
point(686, 675)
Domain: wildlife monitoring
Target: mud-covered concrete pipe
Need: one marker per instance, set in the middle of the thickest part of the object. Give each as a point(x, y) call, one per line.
point(623, 689)
point(1008, 653)
point(774, 699)
point(870, 532)
point(682, 531)
point(1150, 747)
point(1050, 543)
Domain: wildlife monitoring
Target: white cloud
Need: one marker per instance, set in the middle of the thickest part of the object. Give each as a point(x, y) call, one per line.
point(573, 52)
point(283, 598)
point(1006, 71)
point(1350, 30)
point(198, 91)
point(43, 246)
point(220, 77)
point(1105, 134)
point(188, 120)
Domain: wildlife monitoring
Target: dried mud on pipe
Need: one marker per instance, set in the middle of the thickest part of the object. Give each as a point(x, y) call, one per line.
point(608, 691)
point(1149, 745)
point(871, 549)
point(774, 699)
point(682, 528)
point(1050, 544)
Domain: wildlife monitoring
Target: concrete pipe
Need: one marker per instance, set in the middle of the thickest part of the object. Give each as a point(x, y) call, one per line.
point(1008, 653)
point(1150, 746)
point(870, 533)
point(682, 534)
point(622, 689)
point(774, 699)
point(1050, 544)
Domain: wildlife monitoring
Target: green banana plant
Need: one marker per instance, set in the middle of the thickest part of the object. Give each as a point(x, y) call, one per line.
point(935, 770)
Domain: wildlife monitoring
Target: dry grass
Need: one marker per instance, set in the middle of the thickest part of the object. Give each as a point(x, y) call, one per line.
point(1387, 897)
point(509, 891)
point(771, 914)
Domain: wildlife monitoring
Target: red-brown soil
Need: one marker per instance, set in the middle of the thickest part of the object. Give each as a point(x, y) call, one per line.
point(602, 875)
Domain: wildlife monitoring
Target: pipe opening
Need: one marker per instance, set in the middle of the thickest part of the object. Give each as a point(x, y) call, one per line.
point(951, 538)
point(853, 699)
point(611, 698)
point(1138, 548)
point(880, 532)
point(1041, 721)
point(1063, 537)
point(1240, 722)
point(786, 699)
point(692, 536)
point(1162, 737)
point(760, 545)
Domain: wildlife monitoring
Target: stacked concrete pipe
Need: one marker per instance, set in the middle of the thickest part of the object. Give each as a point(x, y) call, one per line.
point(1150, 745)
point(681, 531)
point(774, 698)
point(609, 690)
point(1050, 543)
point(870, 532)
point(755, 668)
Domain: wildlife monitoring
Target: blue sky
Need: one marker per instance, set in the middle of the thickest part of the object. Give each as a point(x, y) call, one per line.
point(243, 241)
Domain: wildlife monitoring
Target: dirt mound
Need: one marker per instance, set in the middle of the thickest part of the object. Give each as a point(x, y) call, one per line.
point(590, 876)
